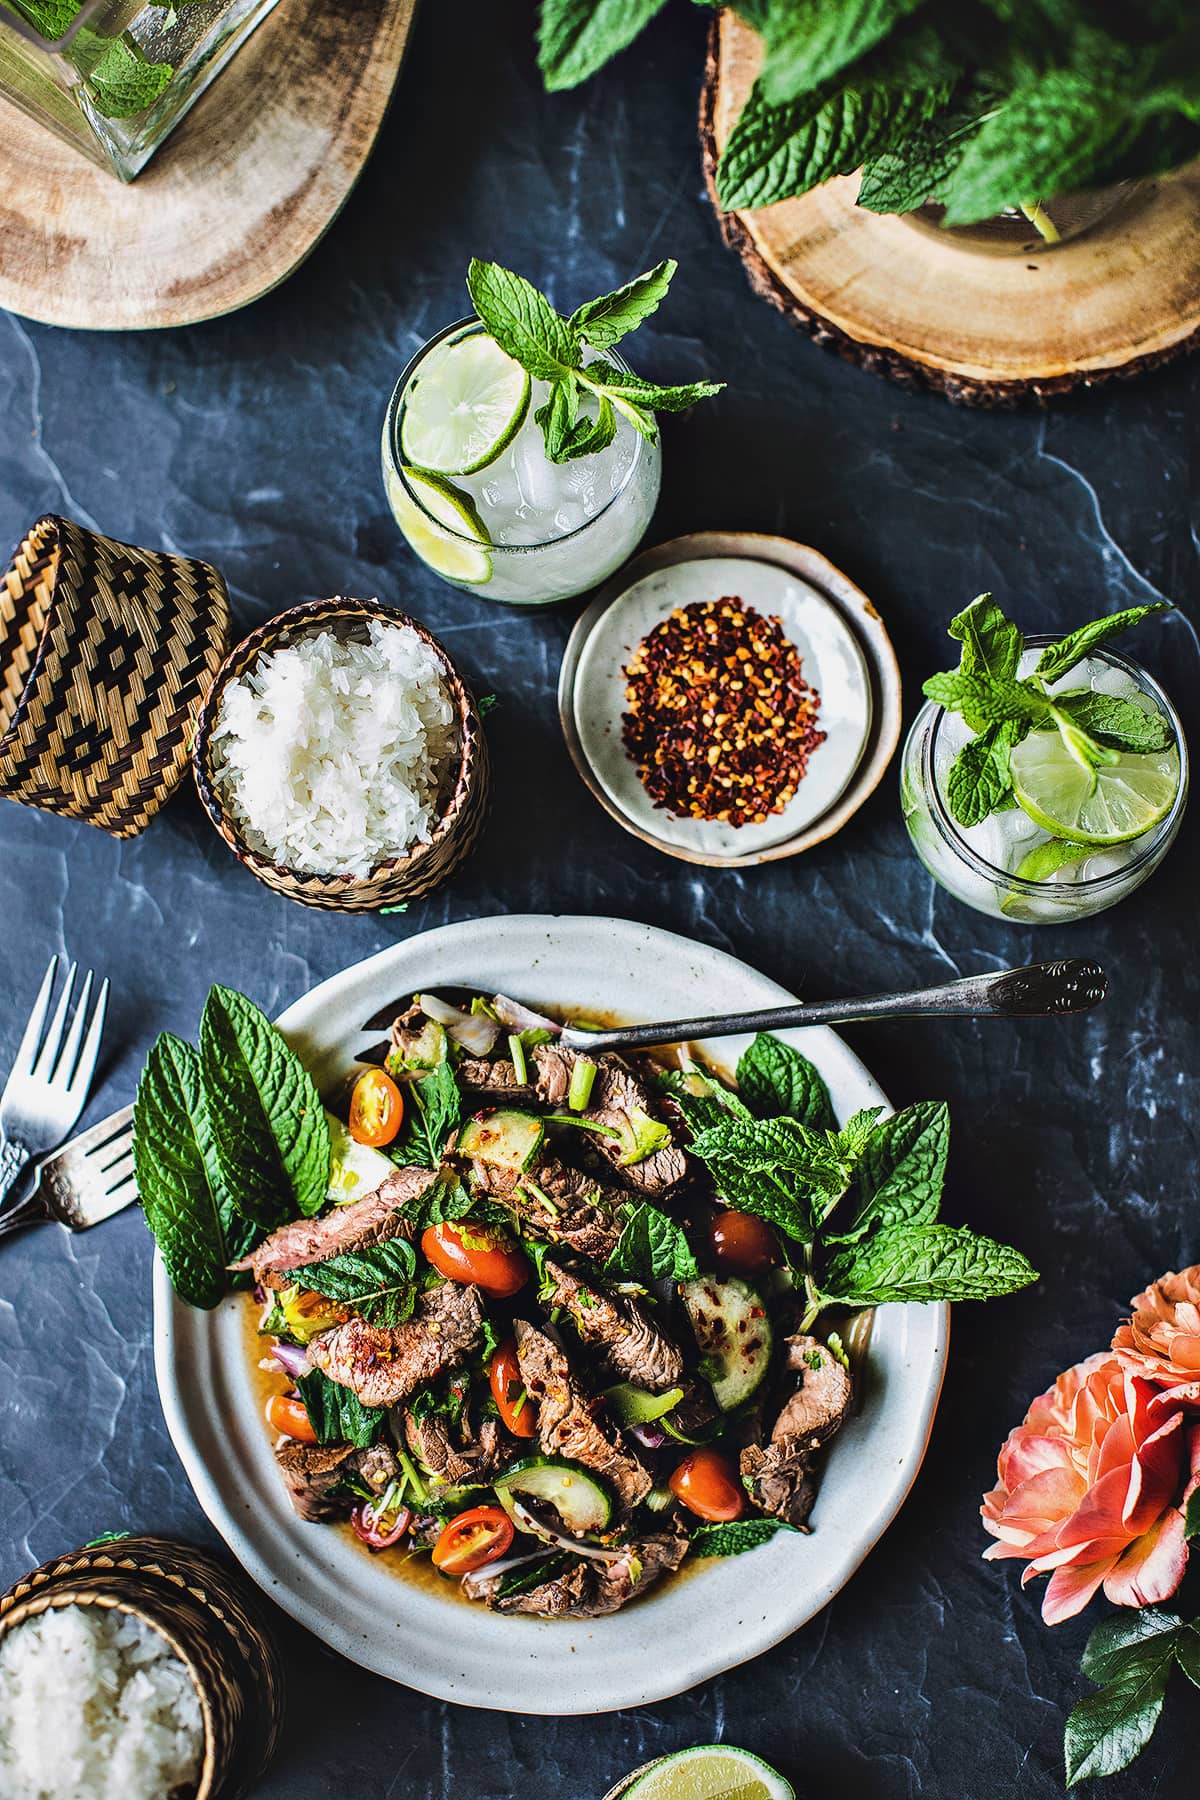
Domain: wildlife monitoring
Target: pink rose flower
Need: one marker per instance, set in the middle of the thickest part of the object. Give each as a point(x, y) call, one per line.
point(1091, 1489)
point(1161, 1342)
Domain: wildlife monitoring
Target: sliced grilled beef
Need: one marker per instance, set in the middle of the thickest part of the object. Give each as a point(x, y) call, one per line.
point(779, 1475)
point(627, 1341)
point(565, 1421)
point(384, 1365)
point(377, 1467)
point(372, 1220)
point(312, 1474)
point(620, 1101)
point(486, 1083)
point(588, 1590)
point(453, 1456)
point(558, 1203)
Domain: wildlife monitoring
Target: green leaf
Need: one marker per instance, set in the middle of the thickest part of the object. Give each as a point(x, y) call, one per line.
point(178, 1176)
point(980, 779)
point(903, 1169)
point(433, 1111)
point(782, 1200)
point(808, 41)
point(1059, 659)
point(577, 37)
point(53, 18)
point(1191, 1515)
point(440, 1204)
point(603, 322)
point(337, 1414)
point(774, 152)
point(589, 435)
point(915, 171)
point(736, 1536)
point(523, 322)
point(271, 1138)
point(985, 700)
point(1132, 1656)
point(652, 395)
point(378, 1282)
point(123, 83)
point(1115, 723)
point(991, 644)
point(1187, 1652)
point(774, 1079)
point(925, 1262)
point(651, 1247)
point(771, 1146)
point(556, 416)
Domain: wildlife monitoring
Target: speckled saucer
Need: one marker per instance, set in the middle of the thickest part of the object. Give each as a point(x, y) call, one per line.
point(847, 658)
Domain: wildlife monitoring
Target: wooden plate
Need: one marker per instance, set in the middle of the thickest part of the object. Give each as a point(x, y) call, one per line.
point(854, 610)
point(987, 330)
point(236, 198)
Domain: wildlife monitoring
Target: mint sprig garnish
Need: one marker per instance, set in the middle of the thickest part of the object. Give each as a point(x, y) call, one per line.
point(1001, 708)
point(579, 416)
point(857, 1205)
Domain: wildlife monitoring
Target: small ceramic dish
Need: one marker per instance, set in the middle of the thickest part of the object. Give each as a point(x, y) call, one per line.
point(397, 878)
point(847, 658)
point(222, 1640)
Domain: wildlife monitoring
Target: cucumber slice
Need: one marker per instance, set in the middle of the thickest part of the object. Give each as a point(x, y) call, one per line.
point(505, 1139)
point(445, 530)
point(354, 1169)
point(576, 1495)
point(420, 1054)
point(466, 402)
point(634, 1406)
point(734, 1335)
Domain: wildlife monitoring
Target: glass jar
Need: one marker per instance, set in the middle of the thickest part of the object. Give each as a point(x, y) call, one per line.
point(978, 865)
point(524, 530)
point(119, 74)
point(1028, 231)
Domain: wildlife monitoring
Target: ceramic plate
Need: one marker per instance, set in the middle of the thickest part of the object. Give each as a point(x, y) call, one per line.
point(833, 663)
point(714, 1617)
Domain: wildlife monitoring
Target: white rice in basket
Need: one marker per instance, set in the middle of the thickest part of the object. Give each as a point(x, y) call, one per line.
point(333, 756)
point(95, 1705)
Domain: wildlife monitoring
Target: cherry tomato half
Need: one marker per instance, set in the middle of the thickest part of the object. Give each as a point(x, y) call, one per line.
point(287, 1414)
point(516, 1408)
point(708, 1485)
point(379, 1532)
point(473, 1540)
point(477, 1254)
point(742, 1243)
point(376, 1108)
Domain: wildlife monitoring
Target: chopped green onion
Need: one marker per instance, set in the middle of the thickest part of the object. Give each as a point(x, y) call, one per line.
point(531, 1187)
point(411, 1478)
point(583, 1077)
point(516, 1049)
point(582, 1124)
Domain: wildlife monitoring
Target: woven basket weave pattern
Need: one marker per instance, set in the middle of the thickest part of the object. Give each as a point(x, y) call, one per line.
point(401, 878)
point(106, 651)
point(187, 1596)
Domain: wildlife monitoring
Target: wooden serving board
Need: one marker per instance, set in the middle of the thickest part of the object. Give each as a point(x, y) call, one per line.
point(238, 195)
point(987, 330)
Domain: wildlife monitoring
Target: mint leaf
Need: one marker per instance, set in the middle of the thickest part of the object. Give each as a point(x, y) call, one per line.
point(987, 699)
point(523, 322)
point(178, 1176)
point(775, 1079)
point(1059, 659)
point(123, 83)
point(444, 1202)
point(909, 175)
point(903, 1168)
point(336, 1413)
point(1115, 723)
point(925, 1262)
point(991, 644)
point(651, 394)
point(783, 1201)
point(602, 323)
point(651, 1247)
point(736, 1536)
point(377, 1282)
point(1132, 1657)
point(577, 37)
point(980, 779)
point(271, 1137)
point(808, 41)
point(433, 1111)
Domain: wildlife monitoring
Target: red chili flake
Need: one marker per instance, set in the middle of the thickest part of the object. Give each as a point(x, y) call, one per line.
point(721, 722)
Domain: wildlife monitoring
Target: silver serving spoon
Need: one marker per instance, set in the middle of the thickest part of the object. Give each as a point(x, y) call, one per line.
point(1039, 989)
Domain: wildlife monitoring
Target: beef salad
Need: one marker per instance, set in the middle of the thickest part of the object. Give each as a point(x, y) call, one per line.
point(555, 1320)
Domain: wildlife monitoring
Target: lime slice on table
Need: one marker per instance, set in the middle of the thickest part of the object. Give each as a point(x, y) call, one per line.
point(1116, 802)
point(445, 530)
point(467, 401)
point(710, 1772)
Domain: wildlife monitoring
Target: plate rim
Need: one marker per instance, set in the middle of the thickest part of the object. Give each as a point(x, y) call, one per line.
point(859, 613)
point(224, 1512)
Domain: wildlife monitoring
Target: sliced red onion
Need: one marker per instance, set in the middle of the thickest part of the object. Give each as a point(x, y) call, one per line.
point(477, 1583)
point(528, 1520)
point(651, 1437)
point(292, 1358)
point(520, 1018)
point(474, 1031)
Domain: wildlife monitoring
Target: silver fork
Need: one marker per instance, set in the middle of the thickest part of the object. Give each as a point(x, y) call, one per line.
point(50, 1078)
point(84, 1184)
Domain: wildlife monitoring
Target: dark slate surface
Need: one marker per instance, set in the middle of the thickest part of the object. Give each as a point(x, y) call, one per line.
point(253, 442)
